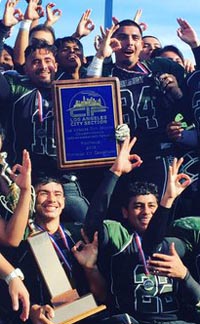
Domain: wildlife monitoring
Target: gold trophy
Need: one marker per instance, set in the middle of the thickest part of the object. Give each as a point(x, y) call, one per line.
point(9, 191)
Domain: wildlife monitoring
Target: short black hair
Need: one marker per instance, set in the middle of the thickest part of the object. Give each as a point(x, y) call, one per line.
point(39, 44)
point(151, 36)
point(39, 2)
point(45, 179)
point(170, 48)
point(43, 27)
point(9, 49)
point(137, 188)
point(59, 42)
point(129, 22)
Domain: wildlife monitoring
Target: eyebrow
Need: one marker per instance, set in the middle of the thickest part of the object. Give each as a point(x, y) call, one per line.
point(47, 191)
point(124, 34)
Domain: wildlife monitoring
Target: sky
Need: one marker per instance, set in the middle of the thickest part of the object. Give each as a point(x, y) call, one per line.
point(160, 17)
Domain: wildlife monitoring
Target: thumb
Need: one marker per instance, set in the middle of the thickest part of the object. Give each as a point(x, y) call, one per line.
point(172, 250)
point(15, 302)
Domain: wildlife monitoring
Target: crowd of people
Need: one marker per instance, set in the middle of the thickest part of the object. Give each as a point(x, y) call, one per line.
point(129, 233)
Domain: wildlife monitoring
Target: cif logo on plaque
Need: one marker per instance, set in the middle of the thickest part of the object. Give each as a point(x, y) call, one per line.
point(90, 126)
point(87, 108)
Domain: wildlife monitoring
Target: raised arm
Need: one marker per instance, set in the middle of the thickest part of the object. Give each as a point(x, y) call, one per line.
point(12, 232)
point(32, 14)
point(124, 163)
point(11, 17)
point(106, 46)
point(187, 33)
point(176, 184)
point(189, 36)
point(85, 25)
point(52, 15)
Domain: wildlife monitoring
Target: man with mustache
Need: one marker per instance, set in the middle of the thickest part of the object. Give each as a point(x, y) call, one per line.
point(29, 113)
point(151, 96)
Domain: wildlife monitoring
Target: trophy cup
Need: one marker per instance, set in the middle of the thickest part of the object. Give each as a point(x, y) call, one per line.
point(68, 306)
point(10, 191)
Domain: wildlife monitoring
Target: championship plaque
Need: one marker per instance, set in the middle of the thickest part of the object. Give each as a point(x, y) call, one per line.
point(87, 111)
point(68, 306)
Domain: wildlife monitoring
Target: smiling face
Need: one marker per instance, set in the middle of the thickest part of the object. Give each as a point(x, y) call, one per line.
point(131, 44)
point(50, 202)
point(140, 211)
point(41, 67)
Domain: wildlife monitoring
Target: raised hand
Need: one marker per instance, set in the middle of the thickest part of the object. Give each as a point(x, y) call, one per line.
point(187, 33)
point(137, 17)
point(11, 15)
point(189, 66)
point(108, 44)
point(176, 183)
point(53, 15)
point(125, 161)
point(23, 179)
point(86, 252)
point(34, 11)
point(85, 25)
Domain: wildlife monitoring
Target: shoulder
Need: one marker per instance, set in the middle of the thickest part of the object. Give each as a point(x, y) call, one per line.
point(188, 223)
point(118, 235)
point(187, 229)
point(17, 79)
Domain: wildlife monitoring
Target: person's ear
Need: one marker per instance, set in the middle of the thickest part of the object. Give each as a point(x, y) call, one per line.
point(124, 213)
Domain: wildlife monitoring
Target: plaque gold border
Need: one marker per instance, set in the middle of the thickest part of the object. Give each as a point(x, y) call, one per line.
point(57, 86)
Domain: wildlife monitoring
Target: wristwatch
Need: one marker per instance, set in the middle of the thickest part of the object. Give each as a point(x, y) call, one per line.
point(14, 274)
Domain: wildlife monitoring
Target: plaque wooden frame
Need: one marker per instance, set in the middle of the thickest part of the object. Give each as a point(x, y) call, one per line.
point(87, 112)
point(68, 306)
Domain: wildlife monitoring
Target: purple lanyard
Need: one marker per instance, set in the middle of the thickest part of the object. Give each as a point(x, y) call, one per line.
point(40, 108)
point(141, 252)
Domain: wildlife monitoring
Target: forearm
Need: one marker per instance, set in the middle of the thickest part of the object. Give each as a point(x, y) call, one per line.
point(21, 42)
point(196, 53)
point(95, 68)
point(3, 31)
point(156, 230)
point(16, 226)
point(96, 283)
point(99, 205)
point(191, 287)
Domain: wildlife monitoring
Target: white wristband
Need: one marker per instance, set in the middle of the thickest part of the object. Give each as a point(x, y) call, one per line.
point(25, 24)
point(95, 68)
point(14, 274)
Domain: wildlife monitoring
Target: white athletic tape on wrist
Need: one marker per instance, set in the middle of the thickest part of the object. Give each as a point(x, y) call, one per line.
point(96, 67)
